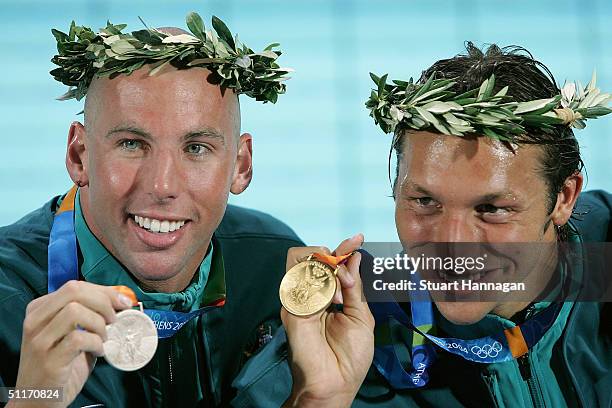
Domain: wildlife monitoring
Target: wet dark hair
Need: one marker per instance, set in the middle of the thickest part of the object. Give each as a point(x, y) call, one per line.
point(527, 79)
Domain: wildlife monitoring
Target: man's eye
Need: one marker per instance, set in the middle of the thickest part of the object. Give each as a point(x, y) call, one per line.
point(196, 149)
point(491, 209)
point(424, 205)
point(425, 201)
point(492, 214)
point(131, 144)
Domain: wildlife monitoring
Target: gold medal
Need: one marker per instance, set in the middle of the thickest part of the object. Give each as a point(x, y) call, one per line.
point(309, 287)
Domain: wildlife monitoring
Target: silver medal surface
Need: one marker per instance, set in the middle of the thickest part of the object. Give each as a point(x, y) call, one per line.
point(131, 340)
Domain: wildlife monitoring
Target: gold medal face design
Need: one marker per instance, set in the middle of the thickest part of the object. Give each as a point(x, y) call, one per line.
point(308, 288)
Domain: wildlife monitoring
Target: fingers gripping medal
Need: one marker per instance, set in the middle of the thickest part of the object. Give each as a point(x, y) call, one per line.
point(309, 287)
point(131, 339)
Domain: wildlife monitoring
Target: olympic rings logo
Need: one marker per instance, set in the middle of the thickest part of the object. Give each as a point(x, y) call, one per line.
point(488, 350)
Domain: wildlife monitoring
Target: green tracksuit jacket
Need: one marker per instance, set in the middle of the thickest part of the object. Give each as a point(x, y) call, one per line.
point(197, 365)
point(570, 366)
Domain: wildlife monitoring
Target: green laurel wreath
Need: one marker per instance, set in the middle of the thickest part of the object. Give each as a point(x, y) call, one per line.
point(83, 54)
point(431, 106)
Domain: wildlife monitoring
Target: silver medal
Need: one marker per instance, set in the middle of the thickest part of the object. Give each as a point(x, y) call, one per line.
point(131, 340)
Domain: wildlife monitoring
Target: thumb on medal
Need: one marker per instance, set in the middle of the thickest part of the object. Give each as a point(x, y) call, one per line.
point(349, 245)
point(126, 295)
point(354, 303)
point(349, 291)
point(344, 278)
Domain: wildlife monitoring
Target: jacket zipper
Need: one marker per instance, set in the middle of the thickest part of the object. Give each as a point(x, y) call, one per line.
point(532, 385)
point(168, 394)
point(525, 368)
point(170, 366)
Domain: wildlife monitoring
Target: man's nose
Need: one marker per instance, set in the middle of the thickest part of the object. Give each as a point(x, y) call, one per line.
point(455, 227)
point(164, 177)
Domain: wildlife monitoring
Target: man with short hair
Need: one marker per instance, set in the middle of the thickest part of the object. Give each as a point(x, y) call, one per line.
point(154, 162)
point(485, 155)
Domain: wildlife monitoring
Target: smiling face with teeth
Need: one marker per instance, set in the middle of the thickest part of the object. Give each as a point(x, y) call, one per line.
point(460, 189)
point(158, 156)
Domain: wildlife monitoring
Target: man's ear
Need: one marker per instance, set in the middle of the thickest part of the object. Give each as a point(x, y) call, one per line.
point(243, 171)
point(566, 199)
point(76, 155)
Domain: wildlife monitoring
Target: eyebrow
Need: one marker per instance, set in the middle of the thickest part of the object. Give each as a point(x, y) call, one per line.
point(206, 132)
point(129, 129)
point(496, 196)
point(417, 188)
point(484, 198)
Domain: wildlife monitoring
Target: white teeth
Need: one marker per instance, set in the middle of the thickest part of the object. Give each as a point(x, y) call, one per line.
point(160, 226)
point(164, 226)
point(155, 224)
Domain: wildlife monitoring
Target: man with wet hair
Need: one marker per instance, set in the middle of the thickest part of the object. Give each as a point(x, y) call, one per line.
point(485, 154)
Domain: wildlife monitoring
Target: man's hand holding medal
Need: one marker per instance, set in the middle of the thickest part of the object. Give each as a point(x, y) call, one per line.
point(64, 333)
point(331, 349)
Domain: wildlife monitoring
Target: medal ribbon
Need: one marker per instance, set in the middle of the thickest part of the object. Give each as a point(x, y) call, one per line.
point(333, 261)
point(506, 345)
point(63, 266)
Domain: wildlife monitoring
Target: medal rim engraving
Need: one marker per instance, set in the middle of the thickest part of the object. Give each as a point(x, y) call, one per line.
point(148, 330)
